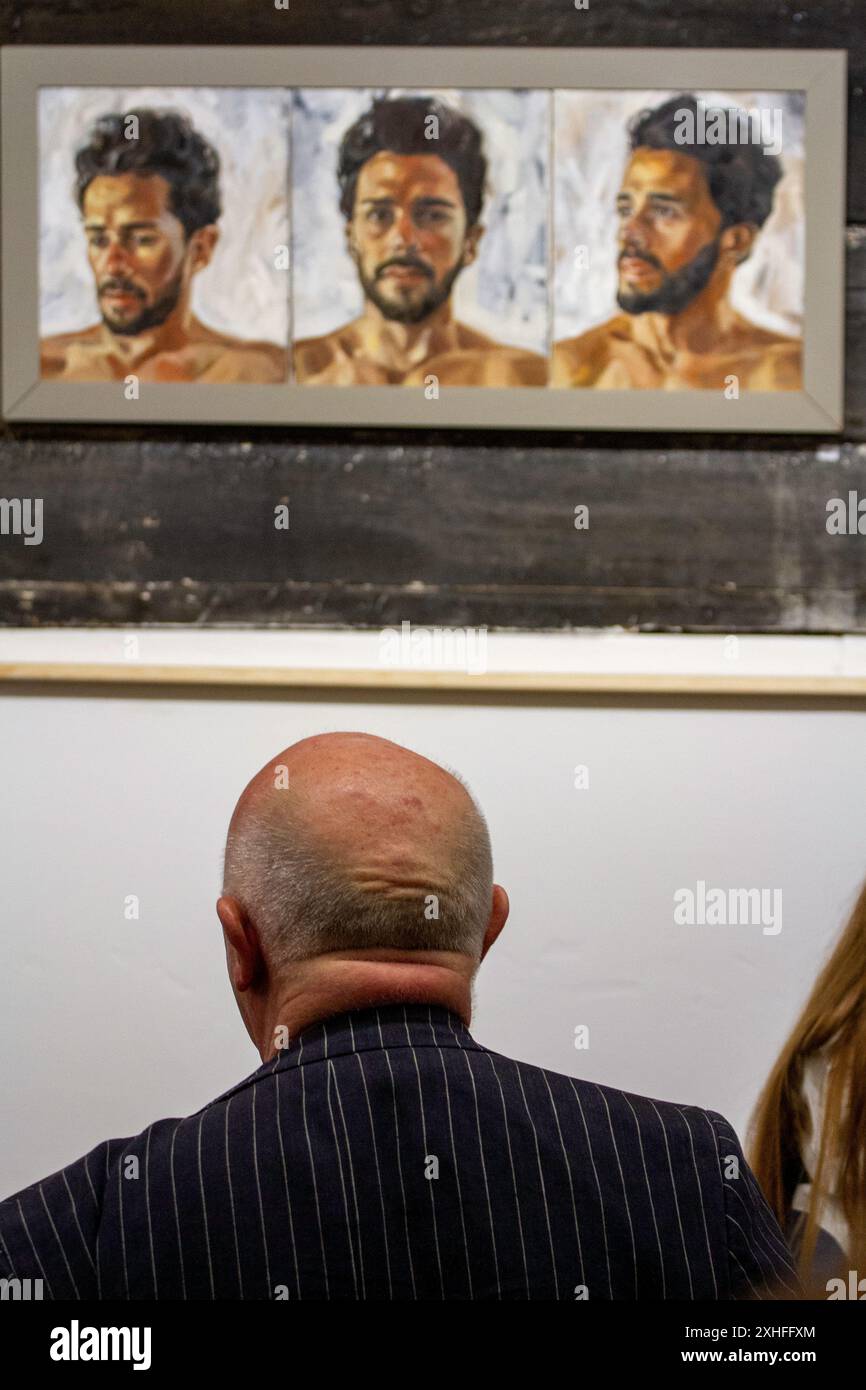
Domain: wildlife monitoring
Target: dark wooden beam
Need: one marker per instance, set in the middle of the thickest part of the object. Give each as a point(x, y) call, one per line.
point(699, 538)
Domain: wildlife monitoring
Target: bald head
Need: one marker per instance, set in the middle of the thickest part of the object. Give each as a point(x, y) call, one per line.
point(347, 841)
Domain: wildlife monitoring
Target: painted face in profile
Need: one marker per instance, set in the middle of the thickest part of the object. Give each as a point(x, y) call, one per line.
point(668, 232)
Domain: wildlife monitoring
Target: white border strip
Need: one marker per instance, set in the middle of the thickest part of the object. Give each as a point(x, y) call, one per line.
point(610, 659)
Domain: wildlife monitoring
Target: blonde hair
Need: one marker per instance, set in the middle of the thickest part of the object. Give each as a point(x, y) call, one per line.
point(833, 1019)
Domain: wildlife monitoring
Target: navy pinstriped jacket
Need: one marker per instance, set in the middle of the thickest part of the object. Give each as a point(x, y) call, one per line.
point(385, 1154)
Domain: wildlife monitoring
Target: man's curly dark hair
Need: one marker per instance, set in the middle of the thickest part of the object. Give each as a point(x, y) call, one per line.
point(399, 124)
point(741, 177)
point(167, 144)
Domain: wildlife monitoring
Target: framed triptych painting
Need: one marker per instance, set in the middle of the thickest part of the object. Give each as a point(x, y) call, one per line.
point(521, 238)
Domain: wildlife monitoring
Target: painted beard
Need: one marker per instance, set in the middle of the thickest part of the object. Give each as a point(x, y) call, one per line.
point(409, 312)
point(150, 317)
point(677, 289)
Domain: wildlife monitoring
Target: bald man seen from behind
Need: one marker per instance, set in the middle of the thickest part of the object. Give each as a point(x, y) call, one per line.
point(380, 1151)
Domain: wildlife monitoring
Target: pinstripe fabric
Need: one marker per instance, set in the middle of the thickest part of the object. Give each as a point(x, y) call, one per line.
point(385, 1154)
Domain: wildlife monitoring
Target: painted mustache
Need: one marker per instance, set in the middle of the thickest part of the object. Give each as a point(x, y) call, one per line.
point(409, 264)
point(120, 287)
point(639, 256)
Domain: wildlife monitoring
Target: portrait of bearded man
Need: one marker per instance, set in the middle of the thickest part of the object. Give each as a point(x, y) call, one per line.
point(688, 215)
point(147, 186)
point(411, 172)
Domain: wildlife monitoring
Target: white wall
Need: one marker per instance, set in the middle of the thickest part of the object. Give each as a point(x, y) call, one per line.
point(107, 1024)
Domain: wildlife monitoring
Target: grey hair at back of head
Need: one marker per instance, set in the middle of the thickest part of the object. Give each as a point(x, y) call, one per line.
point(303, 905)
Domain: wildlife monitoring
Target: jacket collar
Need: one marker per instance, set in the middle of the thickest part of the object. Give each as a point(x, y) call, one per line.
point(386, 1025)
point(360, 1030)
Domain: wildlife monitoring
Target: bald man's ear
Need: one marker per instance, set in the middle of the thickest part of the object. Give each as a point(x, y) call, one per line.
point(498, 918)
point(244, 957)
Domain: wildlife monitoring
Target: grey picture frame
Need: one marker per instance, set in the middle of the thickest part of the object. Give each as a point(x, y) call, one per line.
point(820, 74)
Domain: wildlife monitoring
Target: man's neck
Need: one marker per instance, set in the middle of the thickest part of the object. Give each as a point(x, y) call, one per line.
point(402, 346)
point(335, 983)
point(701, 326)
point(176, 332)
